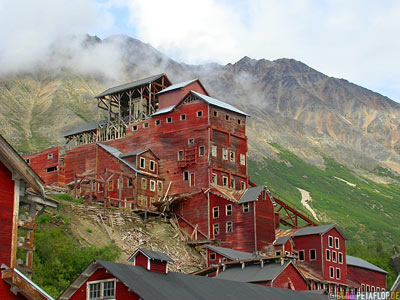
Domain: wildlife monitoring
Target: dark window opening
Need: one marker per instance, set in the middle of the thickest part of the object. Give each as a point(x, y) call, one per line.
point(158, 122)
point(183, 117)
point(186, 175)
point(52, 169)
point(200, 113)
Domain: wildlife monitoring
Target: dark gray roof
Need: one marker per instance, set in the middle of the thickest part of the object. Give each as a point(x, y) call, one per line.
point(359, 262)
point(155, 255)
point(177, 86)
point(130, 85)
point(253, 273)
point(310, 230)
point(281, 240)
point(117, 154)
point(251, 194)
point(82, 128)
point(163, 110)
point(232, 254)
point(156, 286)
point(219, 103)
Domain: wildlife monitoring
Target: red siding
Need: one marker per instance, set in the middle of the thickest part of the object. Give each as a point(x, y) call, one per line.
point(141, 260)
point(218, 258)
point(6, 294)
point(290, 274)
point(307, 243)
point(157, 266)
point(79, 160)
point(342, 249)
point(265, 221)
point(367, 277)
point(40, 163)
point(122, 292)
point(173, 97)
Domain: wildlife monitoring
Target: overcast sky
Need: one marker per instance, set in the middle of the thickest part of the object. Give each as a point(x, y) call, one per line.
point(355, 40)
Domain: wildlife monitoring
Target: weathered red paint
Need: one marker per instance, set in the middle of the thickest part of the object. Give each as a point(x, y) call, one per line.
point(121, 291)
point(290, 278)
point(367, 277)
point(46, 164)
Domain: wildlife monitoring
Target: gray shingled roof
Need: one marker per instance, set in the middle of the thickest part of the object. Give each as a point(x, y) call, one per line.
point(130, 85)
point(232, 254)
point(177, 86)
point(155, 255)
point(281, 240)
point(219, 103)
point(156, 286)
point(251, 194)
point(310, 230)
point(359, 262)
point(253, 273)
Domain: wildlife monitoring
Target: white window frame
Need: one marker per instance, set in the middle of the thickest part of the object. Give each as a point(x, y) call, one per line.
point(245, 207)
point(152, 185)
point(101, 288)
point(243, 185)
point(143, 183)
point(178, 155)
point(332, 272)
point(215, 211)
point(337, 245)
point(232, 158)
point(340, 258)
point(146, 125)
point(228, 210)
point(134, 128)
point(362, 287)
point(199, 113)
point(142, 159)
point(214, 255)
point(191, 141)
point(168, 120)
point(224, 154)
point(243, 159)
point(229, 223)
point(215, 229)
point(213, 175)
point(304, 255)
point(225, 179)
point(154, 165)
point(183, 117)
point(330, 244)
point(214, 151)
point(227, 117)
point(338, 277)
point(326, 255)
point(50, 156)
point(186, 172)
point(202, 149)
point(157, 122)
point(278, 253)
point(334, 256)
point(315, 257)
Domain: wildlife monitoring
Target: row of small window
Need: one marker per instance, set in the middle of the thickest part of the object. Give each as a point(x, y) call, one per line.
point(181, 153)
point(227, 117)
point(367, 288)
point(232, 155)
point(332, 273)
point(228, 228)
point(330, 242)
point(336, 257)
point(232, 183)
point(228, 210)
point(129, 184)
point(168, 120)
point(101, 290)
point(142, 164)
point(146, 201)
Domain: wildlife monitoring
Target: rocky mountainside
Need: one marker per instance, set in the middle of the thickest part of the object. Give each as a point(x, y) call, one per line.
point(317, 118)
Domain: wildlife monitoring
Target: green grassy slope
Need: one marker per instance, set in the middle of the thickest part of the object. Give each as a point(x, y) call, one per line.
point(367, 212)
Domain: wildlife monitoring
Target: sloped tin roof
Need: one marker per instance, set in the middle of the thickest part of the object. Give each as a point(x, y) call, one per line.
point(251, 194)
point(219, 103)
point(232, 254)
point(155, 255)
point(359, 262)
point(177, 86)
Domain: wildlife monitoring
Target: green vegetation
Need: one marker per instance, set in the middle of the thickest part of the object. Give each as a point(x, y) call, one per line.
point(364, 210)
point(59, 257)
point(66, 197)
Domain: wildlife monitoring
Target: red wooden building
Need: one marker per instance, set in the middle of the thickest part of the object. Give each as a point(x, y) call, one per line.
point(145, 280)
point(19, 186)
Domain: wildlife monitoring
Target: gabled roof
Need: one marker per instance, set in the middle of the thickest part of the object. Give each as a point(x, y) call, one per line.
point(151, 254)
point(83, 128)
point(310, 230)
point(253, 273)
point(138, 153)
point(205, 98)
point(119, 155)
point(177, 86)
point(218, 103)
point(171, 286)
point(281, 240)
point(232, 254)
point(13, 160)
point(359, 262)
point(251, 194)
point(130, 85)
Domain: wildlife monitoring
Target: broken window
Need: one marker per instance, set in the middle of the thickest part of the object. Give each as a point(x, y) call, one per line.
point(232, 156)
point(228, 210)
point(146, 125)
point(225, 181)
point(243, 185)
point(232, 186)
point(246, 207)
point(216, 229)
point(50, 156)
point(215, 113)
point(214, 178)
point(336, 243)
point(340, 257)
point(144, 183)
point(51, 169)
point(331, 272)
point(129, 183)
point(158, 122)
point(330, 241)
point(229, 227)
point(239, 121)
point(202, 151)
point(225, 154)
point(27, 160)
point(227, 117)
point(134, 128)
point(190, 141)
point(159, 186)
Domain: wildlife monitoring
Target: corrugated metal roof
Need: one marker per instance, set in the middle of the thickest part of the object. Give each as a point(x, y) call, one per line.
point(155, 255)
point(163, 110)
point(117, 154)
point(310, 230)
point(232, 254)
point(359, 262)
point(156, 286)
point(281, 240)
point(253, 273)
point(177, 86)
point(130, 85)
point(219, 103)
point(251, 194)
